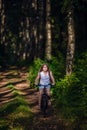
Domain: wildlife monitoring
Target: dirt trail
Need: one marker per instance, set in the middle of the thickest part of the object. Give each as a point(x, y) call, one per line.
point(19, 79)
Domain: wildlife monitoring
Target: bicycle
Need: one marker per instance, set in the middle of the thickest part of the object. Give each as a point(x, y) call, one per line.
point(44, 102)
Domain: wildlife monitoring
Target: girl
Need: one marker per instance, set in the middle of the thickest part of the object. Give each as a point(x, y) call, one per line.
point(46, 79)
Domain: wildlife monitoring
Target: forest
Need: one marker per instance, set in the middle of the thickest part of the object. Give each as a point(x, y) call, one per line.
point(34, 32)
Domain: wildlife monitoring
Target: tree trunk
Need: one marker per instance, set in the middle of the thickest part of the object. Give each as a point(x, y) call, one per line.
point(71, 43)
point(40, 28)
point(48, 30)
point(2, 22)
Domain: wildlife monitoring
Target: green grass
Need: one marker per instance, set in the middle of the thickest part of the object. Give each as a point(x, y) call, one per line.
point(15, 115)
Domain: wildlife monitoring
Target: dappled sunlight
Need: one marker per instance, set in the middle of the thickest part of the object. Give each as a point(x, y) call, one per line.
point(7, 77)
point(6, 100)
point(16, 87)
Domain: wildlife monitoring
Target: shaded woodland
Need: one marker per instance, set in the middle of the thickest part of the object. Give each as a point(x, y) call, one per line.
point(39, 29)
point(53, 31)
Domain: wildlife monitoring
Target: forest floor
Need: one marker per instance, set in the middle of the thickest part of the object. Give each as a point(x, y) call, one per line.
point(19, 79)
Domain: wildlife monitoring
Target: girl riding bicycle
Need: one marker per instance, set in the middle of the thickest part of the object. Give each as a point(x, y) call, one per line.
point(45, 78)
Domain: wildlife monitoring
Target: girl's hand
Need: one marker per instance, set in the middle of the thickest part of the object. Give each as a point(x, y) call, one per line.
point(53, 84)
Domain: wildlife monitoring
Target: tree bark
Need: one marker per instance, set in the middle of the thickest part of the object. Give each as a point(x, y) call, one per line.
point(48, 30)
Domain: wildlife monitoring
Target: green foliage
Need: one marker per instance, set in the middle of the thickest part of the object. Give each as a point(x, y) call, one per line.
point(62, 87)
point(57, 66)
point(71, 98)
point(70, 93)
point(81, 68)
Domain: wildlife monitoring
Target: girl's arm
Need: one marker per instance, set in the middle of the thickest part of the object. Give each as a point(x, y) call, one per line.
point(37, 79)
point(52, 78)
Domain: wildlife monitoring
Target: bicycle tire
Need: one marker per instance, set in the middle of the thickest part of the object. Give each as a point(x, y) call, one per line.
point(44, 103)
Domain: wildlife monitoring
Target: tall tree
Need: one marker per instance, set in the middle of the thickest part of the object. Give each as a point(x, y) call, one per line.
point(71, 39)
point(48, 30)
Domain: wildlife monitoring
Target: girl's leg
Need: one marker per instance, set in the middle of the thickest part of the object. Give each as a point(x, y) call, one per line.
point(48, 93)
point(40, 94)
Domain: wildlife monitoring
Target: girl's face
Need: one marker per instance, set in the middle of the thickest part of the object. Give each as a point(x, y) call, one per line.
point(45, 68)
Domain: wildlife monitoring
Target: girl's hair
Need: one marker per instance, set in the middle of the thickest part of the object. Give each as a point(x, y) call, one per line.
point(41, 69)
